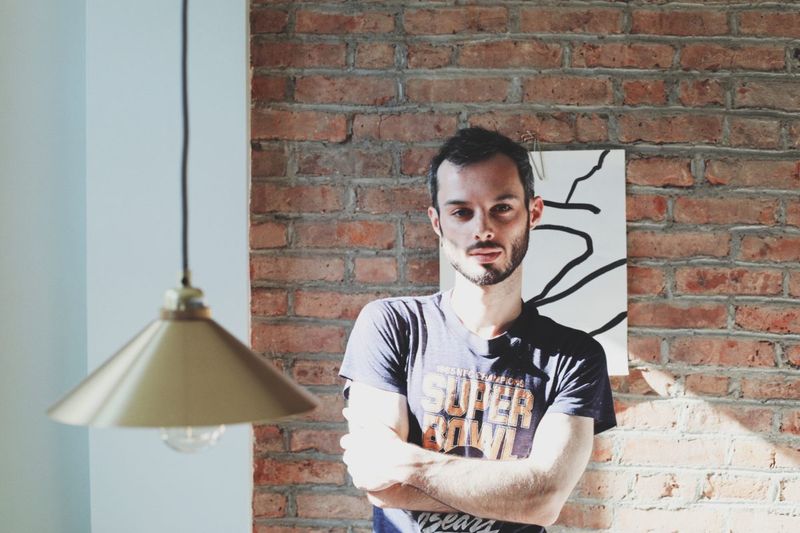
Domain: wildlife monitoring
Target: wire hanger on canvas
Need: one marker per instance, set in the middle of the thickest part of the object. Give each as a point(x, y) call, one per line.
point(538, 169)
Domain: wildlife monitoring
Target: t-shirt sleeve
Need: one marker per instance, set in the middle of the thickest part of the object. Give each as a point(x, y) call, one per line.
point(376, 350)
point(583, 387)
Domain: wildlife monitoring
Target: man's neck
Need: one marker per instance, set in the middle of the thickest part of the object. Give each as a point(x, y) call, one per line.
point(489, 310)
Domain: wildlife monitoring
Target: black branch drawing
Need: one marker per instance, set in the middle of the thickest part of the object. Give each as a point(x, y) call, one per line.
point(542, 298)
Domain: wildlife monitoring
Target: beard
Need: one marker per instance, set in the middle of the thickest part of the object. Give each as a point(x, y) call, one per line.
point(491, 274)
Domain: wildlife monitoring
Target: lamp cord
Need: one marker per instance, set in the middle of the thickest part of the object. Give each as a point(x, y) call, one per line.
point(185, 160)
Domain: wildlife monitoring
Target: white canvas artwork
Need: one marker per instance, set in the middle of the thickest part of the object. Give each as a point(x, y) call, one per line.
point(574, 271)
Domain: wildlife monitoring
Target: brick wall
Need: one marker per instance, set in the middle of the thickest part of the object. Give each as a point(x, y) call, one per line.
point(349, 101)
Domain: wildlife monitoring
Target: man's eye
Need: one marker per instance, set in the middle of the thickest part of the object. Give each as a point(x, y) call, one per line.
point(502, 208)
point(460, 213)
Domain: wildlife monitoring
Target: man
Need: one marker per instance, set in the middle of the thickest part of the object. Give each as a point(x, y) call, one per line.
point(439, 384)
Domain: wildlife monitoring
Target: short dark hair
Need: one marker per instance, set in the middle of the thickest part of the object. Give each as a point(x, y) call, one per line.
point(473, 145)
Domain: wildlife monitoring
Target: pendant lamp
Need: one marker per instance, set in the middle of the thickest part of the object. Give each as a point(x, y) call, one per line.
point(183, 372)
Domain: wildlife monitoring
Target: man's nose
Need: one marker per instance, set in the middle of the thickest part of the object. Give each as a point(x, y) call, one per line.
point(483, 228)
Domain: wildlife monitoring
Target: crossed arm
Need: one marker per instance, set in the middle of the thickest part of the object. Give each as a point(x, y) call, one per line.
point(398, 474)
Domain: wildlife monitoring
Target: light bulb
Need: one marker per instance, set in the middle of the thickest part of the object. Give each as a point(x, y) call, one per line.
point(191, 439)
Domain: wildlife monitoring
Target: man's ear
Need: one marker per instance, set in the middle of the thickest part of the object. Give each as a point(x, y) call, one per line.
point(535, 208)
point(433, 215)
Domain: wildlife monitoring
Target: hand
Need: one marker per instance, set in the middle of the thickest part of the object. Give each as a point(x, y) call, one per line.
point(375, 456)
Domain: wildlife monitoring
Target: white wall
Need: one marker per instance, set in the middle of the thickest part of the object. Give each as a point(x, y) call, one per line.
point(44, 474)
point(133, 133)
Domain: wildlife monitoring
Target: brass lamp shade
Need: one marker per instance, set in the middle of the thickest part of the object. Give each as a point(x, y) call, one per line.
point(183, 369)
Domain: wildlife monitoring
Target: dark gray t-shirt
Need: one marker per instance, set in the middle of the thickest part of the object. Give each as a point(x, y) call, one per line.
point(470, 396)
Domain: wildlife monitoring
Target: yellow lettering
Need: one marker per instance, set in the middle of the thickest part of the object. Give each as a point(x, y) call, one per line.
point(521, 408)
point(490, 440)
point(499, 404)
point(455, 433)
point(508, 444)
point(457, 393)
point(433, 429)
point(476, 395)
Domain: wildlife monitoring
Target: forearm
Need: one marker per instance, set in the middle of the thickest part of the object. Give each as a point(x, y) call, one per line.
point(408, 498)
point(512, 490)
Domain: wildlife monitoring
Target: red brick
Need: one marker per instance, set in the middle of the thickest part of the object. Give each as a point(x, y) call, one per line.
point(794, 283)
point(602, 485)
point(672, 245)
point(644, 92)
point(768, 94)
point(727, 487)
point(369, 90)
point(271, 268)
point(328, 506)
point(415, 161)
point(778, 248)
point(297, 55)
point(753, 520)
point(297, 338)
point(268, 198)
point(270, 88)
point(684, 23)
point(682, 451)
point(347, 162)
point(730, 210)
point(419, 235)
point(273, 472)
point(764, 455)
point(793, 212)
point(659, 172)
point(427, 55)
point(423, 271)
point(567, 20)
point(375, 269)
point(320, 440)
point(770, 23)
point(319, 22)
point(268, 302)
point(646, 349)
point(329, 410)
point(348, 234)
point(591, 128)
point(268, 20)
point(268, 505)
point(470, 19)
point(267, 235)
point(645, 207)
point(276, 124)
point(326, 304)
point(267, 438)
point(410, 127)
point(573, 90)
point(647, 414)
point(677, 315)
point(510, 54)
point(705, 385)
point(580, 515)
point(557, 127)
point(703, 417)
point(721, 351)
point(771, 388)
point(658, 486)
point(719, 57)
point(669, 128)
point(700, 93)
point(754, 173)
point(755, 132)
point(685, 520)
point(771, 318)
point(375, 55)
point(470, 90)
point(645, 280)
point(316, 372)
point(267, 163)
point(711, 280)
point(623, 55)
point(794, 134)
point(642, 382)
point(269, 528)
point(790, 423)
point(392, 200)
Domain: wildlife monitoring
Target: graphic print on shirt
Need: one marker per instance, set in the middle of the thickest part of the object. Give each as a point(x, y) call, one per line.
point(474, 414)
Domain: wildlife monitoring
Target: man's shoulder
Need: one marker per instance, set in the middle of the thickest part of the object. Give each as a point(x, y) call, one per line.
point(555, 337)
point(402, 306)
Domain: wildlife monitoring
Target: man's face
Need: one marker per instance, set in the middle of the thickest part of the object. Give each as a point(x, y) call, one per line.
point(483, 220)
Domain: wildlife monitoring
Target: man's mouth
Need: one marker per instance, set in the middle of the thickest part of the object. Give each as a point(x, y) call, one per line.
point(486, 255)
